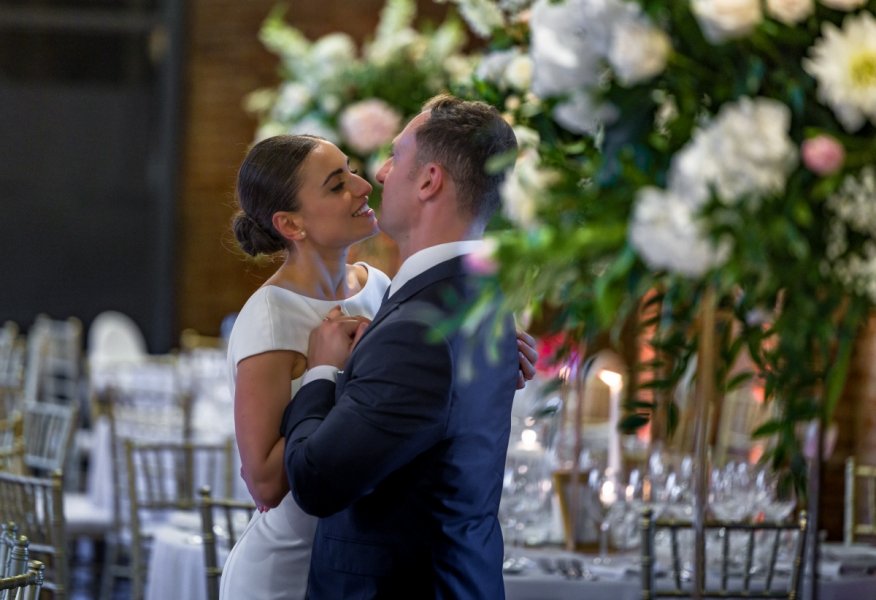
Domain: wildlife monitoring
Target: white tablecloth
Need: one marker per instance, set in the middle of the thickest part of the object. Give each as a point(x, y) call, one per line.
point(176, 570)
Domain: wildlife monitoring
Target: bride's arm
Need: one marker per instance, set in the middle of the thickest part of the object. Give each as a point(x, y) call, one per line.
point(262, 391)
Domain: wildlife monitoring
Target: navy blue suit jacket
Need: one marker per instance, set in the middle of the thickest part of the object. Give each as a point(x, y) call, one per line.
point(403, 457)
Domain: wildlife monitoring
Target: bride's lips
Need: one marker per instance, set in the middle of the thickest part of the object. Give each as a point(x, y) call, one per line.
point(363, 210)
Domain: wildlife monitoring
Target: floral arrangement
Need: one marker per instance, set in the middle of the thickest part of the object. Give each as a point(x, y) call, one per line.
point(679, 151)
point(357, 98)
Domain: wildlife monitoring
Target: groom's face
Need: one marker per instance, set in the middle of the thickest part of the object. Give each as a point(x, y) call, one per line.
point(398, 175)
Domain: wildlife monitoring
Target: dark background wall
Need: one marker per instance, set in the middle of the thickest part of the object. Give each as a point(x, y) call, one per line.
point(122, 129)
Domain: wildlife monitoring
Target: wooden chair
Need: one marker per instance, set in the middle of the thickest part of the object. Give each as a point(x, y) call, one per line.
point(38, 503)
point(163, 478)
point(234, 515)
point(751, 580)
point(859, 514)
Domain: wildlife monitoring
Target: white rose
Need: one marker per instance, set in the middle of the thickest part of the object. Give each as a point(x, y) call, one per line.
point(790, 12)
point(667, 234)
point(638, 51)
point(579, 114)
point(846, 5)
point(753, 137)
point(723, 20)
point(563, 59)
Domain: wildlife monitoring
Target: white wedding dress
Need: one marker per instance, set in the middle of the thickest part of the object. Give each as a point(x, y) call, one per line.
point(272, 556)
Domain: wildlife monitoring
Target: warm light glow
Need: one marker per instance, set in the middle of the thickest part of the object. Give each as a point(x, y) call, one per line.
point(607, 492)
point(529, 437)
point(612, 379)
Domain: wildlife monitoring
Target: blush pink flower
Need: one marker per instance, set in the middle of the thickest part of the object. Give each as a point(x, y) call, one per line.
point(369, 124)
point(483, 260)
point(823, 155)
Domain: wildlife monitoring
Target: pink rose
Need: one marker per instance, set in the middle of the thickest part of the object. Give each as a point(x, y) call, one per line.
point(823, 155)
point(369, 124)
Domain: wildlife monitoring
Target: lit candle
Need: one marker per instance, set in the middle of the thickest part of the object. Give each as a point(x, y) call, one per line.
point(615, 383)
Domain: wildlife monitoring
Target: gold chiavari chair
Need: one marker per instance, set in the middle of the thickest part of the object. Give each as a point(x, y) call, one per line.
point(27, 585)
point(755, 577)
point(163, 477)
point(12, 443)
point(859, 514)
point(48, 435)
point(20, 578)
point(234, 515)
point(38, 503)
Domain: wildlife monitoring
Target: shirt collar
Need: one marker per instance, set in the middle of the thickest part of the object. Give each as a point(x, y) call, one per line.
point(420, 261)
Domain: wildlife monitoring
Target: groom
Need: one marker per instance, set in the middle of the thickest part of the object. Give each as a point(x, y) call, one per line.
point(403, 455)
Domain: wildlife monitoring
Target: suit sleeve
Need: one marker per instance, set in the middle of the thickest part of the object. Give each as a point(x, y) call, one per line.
point(393, 407)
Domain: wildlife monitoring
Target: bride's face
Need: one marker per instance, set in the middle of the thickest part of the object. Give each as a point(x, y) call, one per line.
point(333, 200)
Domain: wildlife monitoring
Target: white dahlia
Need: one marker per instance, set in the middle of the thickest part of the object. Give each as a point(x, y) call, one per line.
point(843, 62)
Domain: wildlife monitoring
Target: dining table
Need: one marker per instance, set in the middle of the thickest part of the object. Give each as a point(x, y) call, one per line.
point(176, 566)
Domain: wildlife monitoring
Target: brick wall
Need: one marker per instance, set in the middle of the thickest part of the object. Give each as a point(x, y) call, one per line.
point(225, 62)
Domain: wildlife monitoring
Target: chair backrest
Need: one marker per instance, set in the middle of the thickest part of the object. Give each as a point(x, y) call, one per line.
point(54, 361)
point(12, 443)
point(114, 338)
point(233, 517)
point(25, 586)
point(13, 550)
point(751, 573)
point(12, 361)
point(859, 514)
point(164, 477)
point(38, 504)
point(48, 435)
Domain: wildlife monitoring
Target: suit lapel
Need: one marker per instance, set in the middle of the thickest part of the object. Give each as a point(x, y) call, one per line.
point(444, 270)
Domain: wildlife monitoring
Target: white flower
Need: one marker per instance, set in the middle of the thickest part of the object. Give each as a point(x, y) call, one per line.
point(852, 211)
point(526, 137)
point(790, 12)
point(483, 16)
point(638, 51)
point(843, 4)
point(270, 129)
point(723, 20)
point(523, 186)
point(493, 64)
point(329, 103)
point(579, 114)
point(292, 101)
point(745, 152)
point(459, 68)
point(313, 126)
point(563, 58)
point(843, 63)
point(518, 74)
point(666, 233)
point(369, 124)
point(333, 49)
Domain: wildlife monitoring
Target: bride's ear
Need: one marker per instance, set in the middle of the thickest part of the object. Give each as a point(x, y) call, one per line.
point(288, 225)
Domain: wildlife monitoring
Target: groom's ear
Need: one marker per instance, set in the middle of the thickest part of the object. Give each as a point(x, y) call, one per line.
point(431, 181)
